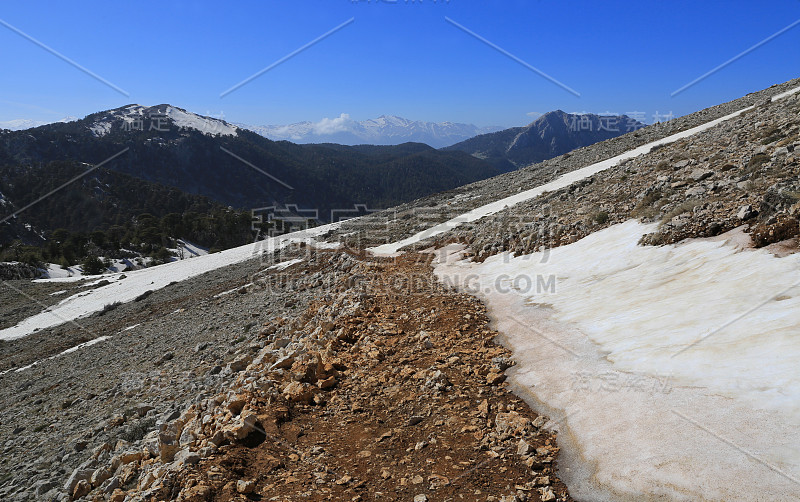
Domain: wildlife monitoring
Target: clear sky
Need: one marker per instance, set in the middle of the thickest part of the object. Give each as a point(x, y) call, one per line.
point(396, 57)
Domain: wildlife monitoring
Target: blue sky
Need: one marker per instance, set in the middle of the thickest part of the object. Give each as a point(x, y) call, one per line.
point(396, 57)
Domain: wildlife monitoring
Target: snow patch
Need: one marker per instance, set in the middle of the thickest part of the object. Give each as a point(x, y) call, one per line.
point(21, 124)
point(100, 129)
point(205, 125)
point(68, 351)
point(285, 264)
point(153, 278)
point(650, 355)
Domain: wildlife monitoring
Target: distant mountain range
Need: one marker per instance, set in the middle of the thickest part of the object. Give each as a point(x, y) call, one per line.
point(384, 130)
point(552, 134)
point(20, 124)
point(161, 149)
point(169, 160)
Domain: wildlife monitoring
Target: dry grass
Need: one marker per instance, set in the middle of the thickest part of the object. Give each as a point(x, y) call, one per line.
point(683, 207)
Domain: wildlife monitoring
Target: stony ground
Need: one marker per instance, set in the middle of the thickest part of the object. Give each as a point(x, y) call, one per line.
point(164, 351)
point(394, 393)
point(377, 383)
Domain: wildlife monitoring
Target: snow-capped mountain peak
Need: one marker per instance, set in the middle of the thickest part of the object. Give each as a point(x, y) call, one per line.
point(159, 118)
point(383, 130)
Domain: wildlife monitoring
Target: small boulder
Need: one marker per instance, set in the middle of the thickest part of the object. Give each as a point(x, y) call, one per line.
point(186, 457)
point(82, 488)
point(297, 392)
point(117, 496)
point(327, 383)
point(524, 448)
point(746, 212)
point(76, 476)
point(495, 378)
point(701, 174)
point(245, 486)
point(240, 363)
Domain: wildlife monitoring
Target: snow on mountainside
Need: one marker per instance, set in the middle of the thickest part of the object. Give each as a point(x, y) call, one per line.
point(21, 124)
point(384, 130)
point(138, 117)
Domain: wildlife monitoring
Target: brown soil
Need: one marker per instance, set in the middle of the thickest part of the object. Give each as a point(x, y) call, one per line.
point(414, 412)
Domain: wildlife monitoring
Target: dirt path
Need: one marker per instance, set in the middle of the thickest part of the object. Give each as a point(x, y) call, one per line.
point(406, 402)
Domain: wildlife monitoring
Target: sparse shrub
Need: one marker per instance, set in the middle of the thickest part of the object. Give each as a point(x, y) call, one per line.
point(787, 140)
point(757, 161)
point(601, 217)
point(683, 207)
point(771, 136)
point(651, 198)
point(137, 430)
point(645, 208)
point(108, 308)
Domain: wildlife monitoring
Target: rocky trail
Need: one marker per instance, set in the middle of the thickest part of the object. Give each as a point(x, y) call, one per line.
point(393, 393)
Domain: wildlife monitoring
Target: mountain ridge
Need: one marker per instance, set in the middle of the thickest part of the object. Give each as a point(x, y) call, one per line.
point(554, 133)
point(169, 146)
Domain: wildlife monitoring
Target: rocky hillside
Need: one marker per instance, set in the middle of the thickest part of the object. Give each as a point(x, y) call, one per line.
point(745, 171)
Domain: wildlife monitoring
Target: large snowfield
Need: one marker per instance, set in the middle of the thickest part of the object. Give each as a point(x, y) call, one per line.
point(671, 370)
